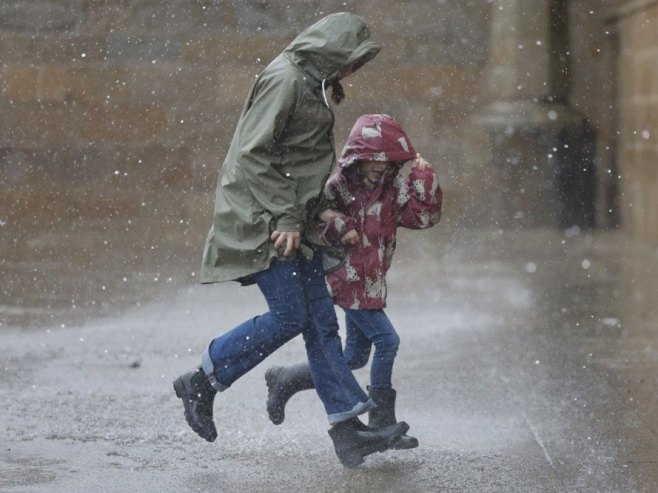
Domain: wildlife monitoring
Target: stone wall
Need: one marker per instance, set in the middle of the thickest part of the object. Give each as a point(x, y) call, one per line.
point(106, 105)
point(107, 99)
point(637, 25)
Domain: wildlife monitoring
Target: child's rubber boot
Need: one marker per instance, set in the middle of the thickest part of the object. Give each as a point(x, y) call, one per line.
point(384, 415)
point(282, 383)
point(353, 440)
point(194, 389)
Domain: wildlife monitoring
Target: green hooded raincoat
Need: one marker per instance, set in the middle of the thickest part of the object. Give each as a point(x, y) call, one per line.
point(282, 151)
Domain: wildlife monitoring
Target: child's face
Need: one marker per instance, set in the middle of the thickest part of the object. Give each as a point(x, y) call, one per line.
point(374, 171)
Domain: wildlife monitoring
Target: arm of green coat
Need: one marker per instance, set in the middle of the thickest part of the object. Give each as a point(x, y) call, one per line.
point(261, 151)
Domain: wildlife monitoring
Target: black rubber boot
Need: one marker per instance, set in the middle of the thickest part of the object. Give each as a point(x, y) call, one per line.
point(353, 440)
point(282, 383)
point(197, 395)
point(384, 415)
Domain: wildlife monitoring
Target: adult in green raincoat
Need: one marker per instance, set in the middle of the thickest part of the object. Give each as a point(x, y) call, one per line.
point(266, 207)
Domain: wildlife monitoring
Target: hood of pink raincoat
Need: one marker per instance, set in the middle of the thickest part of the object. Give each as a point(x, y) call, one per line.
point(376, 138)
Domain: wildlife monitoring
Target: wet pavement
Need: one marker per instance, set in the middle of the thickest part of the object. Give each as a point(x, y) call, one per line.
point(528, 363)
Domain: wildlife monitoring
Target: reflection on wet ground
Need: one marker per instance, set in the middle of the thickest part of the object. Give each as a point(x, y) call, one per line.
point(573, 341)
point(529, 362)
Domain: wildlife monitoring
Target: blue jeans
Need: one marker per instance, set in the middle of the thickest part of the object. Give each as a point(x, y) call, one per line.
point(365, 328)
point(298, 301)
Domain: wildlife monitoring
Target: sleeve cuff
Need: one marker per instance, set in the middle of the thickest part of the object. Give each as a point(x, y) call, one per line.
point(288, 224)
point(421, 174)
point(336, 228)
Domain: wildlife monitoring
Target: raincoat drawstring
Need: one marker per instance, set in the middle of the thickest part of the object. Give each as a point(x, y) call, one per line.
point(324, 95)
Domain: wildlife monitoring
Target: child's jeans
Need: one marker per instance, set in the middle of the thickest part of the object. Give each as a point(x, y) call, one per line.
point(365, 328)
point(298, 301)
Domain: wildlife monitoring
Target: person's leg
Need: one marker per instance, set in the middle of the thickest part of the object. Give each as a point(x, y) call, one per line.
point(233, 354)
point(357, 345)
point(236, 352)
point(375, 326)
point(339, 391)
point(282, 383)
point(285, 381)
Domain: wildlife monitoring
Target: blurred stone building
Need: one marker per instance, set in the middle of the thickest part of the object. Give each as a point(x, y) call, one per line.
point(120, 111)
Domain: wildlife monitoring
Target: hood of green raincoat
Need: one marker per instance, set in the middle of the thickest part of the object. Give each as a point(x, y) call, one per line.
point(334, 42)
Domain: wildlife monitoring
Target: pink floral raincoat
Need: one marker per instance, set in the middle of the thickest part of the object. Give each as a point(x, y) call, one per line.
point(375, 211)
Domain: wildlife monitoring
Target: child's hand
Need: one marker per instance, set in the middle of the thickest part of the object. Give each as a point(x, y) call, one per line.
point(420, 162)
point(350, 238)
point(328, 215)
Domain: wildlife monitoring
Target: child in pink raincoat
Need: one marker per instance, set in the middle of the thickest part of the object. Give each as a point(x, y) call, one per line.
point(369, 198)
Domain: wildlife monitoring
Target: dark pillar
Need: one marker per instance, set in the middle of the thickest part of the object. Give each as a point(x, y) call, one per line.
point(541, 150)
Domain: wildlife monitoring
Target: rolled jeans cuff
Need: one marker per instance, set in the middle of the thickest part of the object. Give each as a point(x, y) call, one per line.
point(209, 369)
point(360, 408)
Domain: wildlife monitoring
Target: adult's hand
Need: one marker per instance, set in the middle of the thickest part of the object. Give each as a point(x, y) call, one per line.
point(291, 239)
